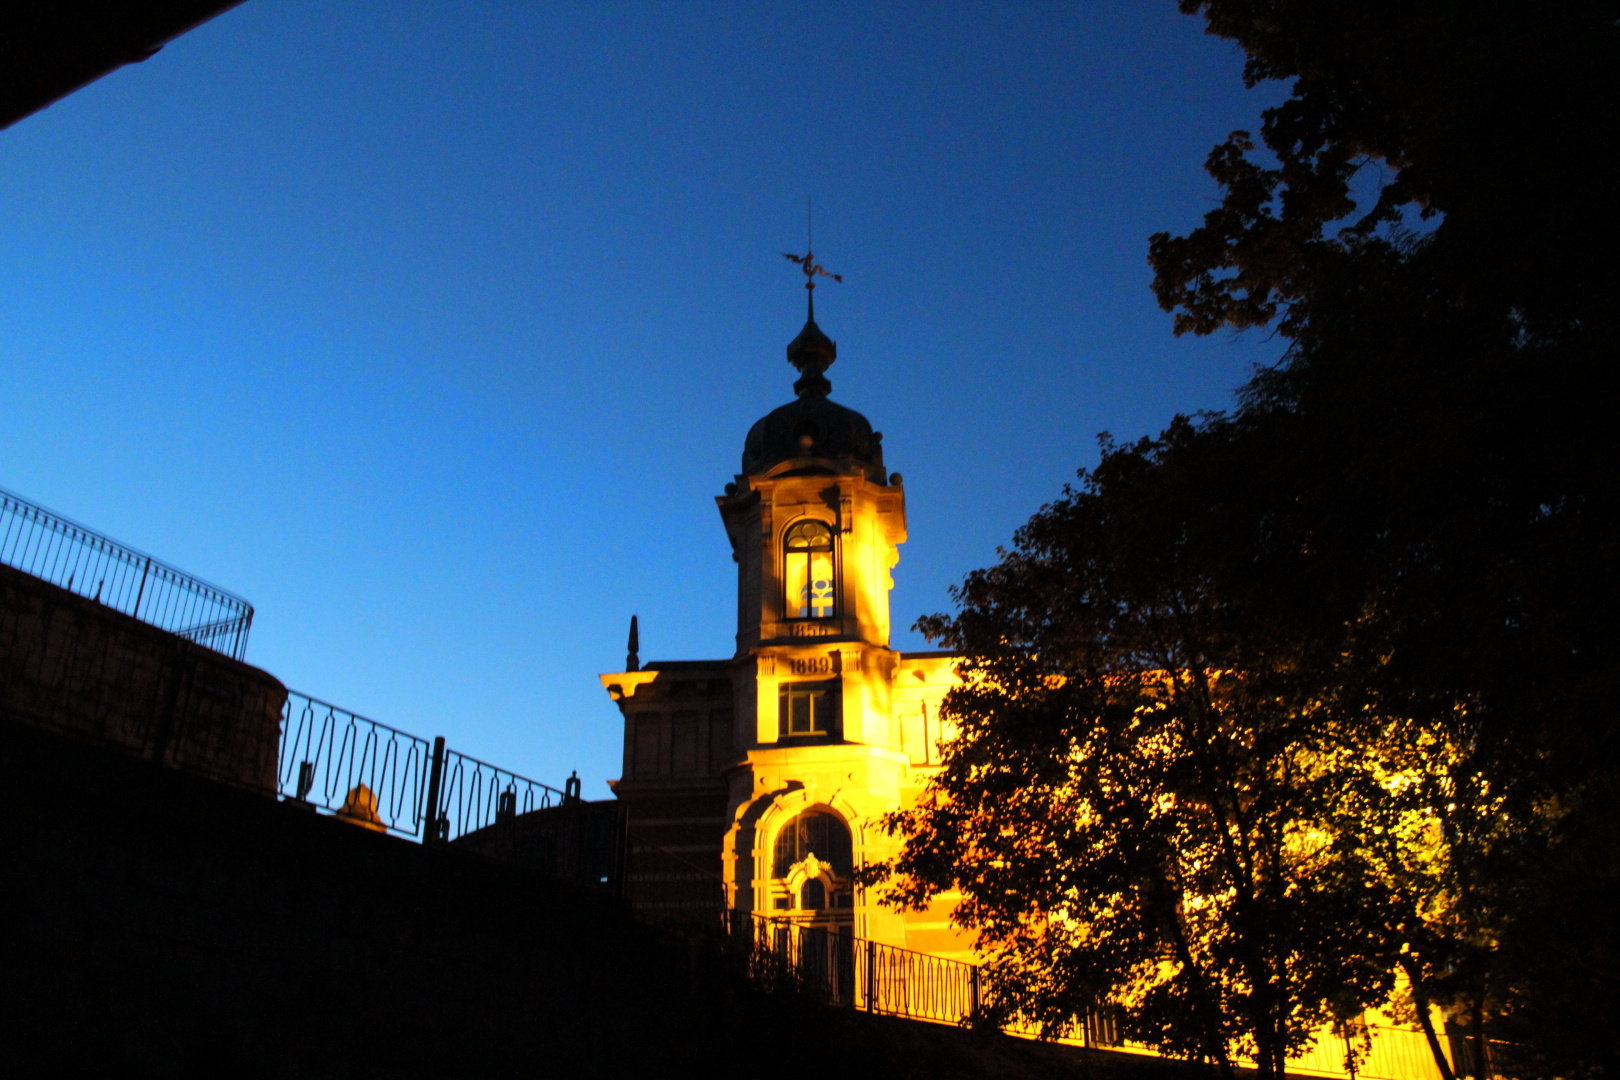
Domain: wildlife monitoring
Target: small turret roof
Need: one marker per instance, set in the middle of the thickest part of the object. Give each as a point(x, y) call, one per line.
point(813, 427)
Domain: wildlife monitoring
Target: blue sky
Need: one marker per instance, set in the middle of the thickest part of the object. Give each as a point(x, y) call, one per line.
point(433, 329)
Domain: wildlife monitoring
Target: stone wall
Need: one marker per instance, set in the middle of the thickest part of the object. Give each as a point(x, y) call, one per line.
point(157, 924)
point(69, 663)
point(161, 924)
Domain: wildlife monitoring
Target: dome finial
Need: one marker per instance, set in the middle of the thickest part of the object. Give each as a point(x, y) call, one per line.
point(812, 352)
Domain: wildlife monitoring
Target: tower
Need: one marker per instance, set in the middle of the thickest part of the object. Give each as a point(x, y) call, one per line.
point(774, 766)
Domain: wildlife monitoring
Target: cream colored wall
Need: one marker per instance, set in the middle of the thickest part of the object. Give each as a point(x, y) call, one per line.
point(862, 779)
point(920, 684)
point(884, 757)
point(867, 518)
point(887, 748)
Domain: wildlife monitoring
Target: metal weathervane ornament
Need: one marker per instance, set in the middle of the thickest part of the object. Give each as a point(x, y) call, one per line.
point(807, 261)
point(812, 352)
point(812, 269)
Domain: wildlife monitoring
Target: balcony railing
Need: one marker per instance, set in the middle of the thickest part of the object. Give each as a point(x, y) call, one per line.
point(347, 764)
point(83, 561)
point(473, 794)
point(329, 758)
point(830, 964)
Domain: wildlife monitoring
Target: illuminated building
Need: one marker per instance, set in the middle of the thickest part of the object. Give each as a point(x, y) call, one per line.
point(772, 768)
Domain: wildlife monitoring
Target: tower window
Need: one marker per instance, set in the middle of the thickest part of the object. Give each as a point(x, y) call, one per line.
point(810, 580)
point(807, 709)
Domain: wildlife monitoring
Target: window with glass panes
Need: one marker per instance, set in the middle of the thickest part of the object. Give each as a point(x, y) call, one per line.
point(808, 553)
point(807, 709)
point(814, 832)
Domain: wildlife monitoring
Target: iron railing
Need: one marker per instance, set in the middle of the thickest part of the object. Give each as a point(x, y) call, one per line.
point(830, 964)
point(349, 765)
point(1378, 1052)
point(473, 794)
point(69, 555)
point(390, 780)
point(833, 965)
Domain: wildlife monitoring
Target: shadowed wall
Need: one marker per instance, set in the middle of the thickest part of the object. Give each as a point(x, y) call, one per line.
point(72, 664)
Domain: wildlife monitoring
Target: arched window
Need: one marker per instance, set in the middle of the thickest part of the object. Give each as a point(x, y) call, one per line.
point(810, 580)
point(814, 832)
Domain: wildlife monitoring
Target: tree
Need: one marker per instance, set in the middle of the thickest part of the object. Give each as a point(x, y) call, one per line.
point(1487, 120)
point(1150, 802)
point(1454, 456)
point(1362, 629)
point(1178, 787)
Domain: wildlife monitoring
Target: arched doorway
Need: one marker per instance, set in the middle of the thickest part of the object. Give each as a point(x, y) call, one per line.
point(812, 893)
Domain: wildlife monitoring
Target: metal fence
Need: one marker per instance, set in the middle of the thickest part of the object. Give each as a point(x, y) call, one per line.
point(346, 764)
point(473, 794)
point(382, 778)
point(832, 964)
point(83, 561)
point(1374, 1052)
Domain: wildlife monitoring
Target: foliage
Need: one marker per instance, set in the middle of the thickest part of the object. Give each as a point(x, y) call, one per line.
point(1282, 701)
point(1454, 458)
point(1151, 802)
point(1487, 117)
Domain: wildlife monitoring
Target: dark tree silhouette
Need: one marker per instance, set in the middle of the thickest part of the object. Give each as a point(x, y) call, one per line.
point(1452, 450)
point(1167, 794)
point(1398, 557)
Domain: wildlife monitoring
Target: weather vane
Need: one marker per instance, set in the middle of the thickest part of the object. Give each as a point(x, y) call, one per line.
point(807, 261)
point(811, 268)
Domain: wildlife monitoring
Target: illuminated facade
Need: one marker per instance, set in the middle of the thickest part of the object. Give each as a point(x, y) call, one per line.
point(773, 767)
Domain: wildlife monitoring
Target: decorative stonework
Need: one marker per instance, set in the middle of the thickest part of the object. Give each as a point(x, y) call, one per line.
point(812, 459)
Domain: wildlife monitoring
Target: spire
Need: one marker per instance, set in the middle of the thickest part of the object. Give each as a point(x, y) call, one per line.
point(633, 661)
point(812, 352)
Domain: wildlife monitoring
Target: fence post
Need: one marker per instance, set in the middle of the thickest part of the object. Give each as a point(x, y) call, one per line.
point(977, 991)
point(871, 976)
point(142, 590)
point(430, 813)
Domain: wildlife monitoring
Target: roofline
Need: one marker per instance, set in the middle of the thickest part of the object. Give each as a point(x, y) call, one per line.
point(50, 50)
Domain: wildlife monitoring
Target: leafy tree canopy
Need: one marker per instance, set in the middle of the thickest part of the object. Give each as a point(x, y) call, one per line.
point(1492, 121)
point(1283, 701)
point(1157, 801)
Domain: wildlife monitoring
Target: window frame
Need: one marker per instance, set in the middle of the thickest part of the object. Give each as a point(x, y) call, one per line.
point(791, 604)
point(841, 851)
point(826, 689)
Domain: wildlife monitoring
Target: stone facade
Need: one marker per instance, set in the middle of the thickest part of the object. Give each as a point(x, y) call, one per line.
point(77, 666)
point(746, 766)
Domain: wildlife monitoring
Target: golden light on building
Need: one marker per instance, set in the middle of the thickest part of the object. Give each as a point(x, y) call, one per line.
point(772, 769)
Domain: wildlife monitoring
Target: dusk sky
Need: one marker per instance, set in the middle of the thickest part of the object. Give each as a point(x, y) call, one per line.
point(433, 329)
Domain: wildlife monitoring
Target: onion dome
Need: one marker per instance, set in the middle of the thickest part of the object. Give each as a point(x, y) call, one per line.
point(814, 427)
